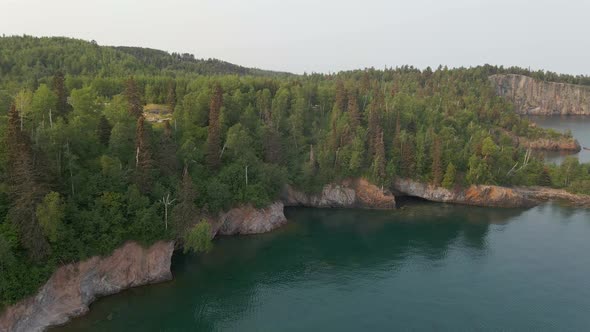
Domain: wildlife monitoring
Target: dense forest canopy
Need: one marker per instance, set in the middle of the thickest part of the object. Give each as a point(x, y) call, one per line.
point(82, 171)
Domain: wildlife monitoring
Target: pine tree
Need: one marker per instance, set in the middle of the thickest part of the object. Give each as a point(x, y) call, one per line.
point(133, 98)
point(213, 131)
point(27, 188)
point(143, 157)
point(59, 87)
point(104, 131)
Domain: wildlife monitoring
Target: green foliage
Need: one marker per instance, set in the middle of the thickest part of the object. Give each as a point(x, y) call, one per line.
point(50, 213)
point(269, 130)
point(198, 238)
point(449, 178)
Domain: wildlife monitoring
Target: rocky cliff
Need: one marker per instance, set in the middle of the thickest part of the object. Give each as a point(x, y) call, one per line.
point(531, 96)
point(486, 195)
point(72, 288)
point(249, 220)
point(357, 193)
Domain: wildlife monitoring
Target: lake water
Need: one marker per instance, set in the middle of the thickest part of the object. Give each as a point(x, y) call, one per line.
point(580, 128)
point(427, 267)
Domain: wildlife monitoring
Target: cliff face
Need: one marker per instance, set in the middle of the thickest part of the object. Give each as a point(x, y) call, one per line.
point(486, 195)
point(248, 220)
point(72, 288)
point(350, 193)
point(542, 98)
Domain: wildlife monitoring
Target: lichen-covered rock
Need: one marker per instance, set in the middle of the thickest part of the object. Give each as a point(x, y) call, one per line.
point(72, 288)
point(350, 193)
point(249, 220)
point(531, 96)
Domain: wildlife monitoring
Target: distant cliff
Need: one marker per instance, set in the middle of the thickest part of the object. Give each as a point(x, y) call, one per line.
point(535, 97)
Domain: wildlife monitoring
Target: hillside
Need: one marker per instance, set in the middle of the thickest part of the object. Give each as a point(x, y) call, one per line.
point(26, 58)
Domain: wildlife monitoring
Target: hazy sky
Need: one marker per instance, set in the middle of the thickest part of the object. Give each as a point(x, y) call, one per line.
point(326, 35)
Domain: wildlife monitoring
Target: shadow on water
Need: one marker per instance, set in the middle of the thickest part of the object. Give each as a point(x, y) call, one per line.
point(329, 246)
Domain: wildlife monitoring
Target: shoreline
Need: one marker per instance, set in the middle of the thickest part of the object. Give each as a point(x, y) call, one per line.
point(68, 293)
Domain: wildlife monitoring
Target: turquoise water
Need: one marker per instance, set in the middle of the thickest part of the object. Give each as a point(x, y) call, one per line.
point(427, 267)
point(578, 125)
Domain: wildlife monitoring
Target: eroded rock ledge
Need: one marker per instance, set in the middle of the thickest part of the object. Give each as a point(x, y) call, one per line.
point(535, 97)
point(358, 193)
point(486, 195)
point(72, 287)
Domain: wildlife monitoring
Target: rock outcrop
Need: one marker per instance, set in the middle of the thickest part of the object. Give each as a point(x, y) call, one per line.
point(72, 288)
point(535, 97)
point(357, 193)
point(486, 195)
point(562, 144)
point(249, 220)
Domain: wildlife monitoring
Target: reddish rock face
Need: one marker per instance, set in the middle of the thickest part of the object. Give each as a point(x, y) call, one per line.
point(72, 288)
point(350, 193)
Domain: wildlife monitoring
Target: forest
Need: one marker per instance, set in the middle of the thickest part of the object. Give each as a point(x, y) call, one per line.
point(82, 170)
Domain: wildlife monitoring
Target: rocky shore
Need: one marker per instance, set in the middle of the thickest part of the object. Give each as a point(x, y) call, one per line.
point(487, 195)
point(72, 288)
point(352, 193)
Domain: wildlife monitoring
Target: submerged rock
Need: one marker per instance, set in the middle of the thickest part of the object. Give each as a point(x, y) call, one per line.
point(357, 193)
point(71, 288)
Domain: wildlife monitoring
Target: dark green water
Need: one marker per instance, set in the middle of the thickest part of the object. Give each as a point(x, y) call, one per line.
point(428, 267)
point(578, 125)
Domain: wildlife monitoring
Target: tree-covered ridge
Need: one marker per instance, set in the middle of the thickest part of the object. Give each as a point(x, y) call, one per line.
point(26, 59)
point(82, 171)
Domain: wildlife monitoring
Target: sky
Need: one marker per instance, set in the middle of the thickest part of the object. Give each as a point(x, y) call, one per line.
point(326, 35)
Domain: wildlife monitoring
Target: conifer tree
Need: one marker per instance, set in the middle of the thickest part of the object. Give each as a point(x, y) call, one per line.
point(171, 96)
point(437, 172)
point(185, 212)
point(135, 107)
point(213, 131)
point(167, 161)
point(449, 179)
point(353, 112)
point(104, 131)
point(143, 157)
point(26, 187)
point(59, 87)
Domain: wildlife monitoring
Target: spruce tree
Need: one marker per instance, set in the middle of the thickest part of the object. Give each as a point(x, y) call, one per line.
point(26, 187)
point(135, 107)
